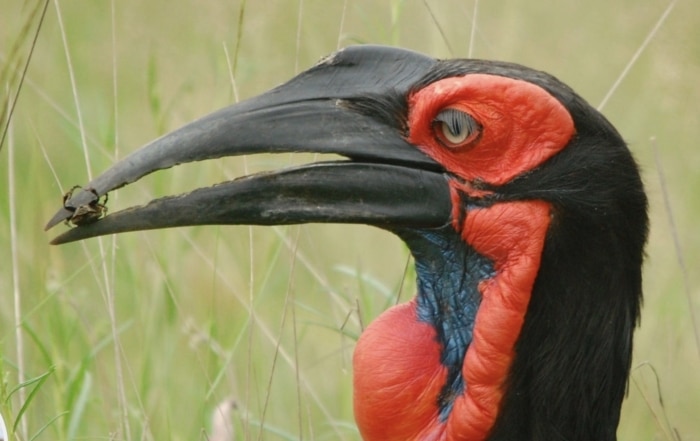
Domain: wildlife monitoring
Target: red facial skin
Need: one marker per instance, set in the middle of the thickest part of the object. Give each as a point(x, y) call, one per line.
point(398, 374)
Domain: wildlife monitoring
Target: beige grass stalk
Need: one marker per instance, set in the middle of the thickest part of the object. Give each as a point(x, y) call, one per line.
point(16, 292)
point(635, 57)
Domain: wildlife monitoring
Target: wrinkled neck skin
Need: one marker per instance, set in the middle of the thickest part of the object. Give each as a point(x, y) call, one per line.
point(448, 276)
point(449, 273)
point(408, 362)
point(435, 368)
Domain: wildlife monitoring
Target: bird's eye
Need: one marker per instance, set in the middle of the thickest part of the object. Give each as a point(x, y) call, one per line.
point(455, 128)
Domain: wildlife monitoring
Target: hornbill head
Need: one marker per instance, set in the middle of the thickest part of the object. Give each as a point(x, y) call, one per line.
point(521, 204)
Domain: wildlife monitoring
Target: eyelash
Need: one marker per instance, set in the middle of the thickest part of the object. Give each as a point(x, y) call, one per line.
point(454, 128)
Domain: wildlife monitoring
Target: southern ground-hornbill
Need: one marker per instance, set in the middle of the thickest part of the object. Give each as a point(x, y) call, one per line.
point(521, 204)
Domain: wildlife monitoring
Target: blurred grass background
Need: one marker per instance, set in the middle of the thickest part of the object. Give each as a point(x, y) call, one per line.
point(140, 336)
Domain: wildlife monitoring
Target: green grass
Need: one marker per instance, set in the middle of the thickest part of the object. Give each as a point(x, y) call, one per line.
point(142, 335)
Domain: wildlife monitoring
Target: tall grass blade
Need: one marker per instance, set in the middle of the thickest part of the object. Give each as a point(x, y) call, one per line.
point(37, 382)
point(8, 111)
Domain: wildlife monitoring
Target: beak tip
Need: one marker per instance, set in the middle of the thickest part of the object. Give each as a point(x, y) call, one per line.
point(85, 197)
point(61, 239)
point(60, 216)
point(73, 234)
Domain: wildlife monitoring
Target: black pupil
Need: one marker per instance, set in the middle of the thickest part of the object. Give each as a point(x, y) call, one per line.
point(457, 121)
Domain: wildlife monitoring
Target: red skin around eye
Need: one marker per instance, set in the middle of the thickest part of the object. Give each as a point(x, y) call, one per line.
point(522, 125)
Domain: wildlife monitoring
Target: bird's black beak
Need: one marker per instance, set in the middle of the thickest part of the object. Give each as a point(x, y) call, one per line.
point(352, 103)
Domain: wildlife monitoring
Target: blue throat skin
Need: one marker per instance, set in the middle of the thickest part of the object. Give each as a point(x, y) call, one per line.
point(449, 272)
